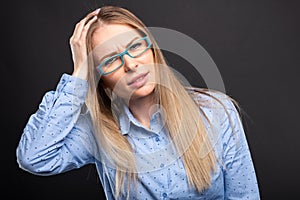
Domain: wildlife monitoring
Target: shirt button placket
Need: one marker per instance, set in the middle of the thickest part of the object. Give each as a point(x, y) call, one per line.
point(165, 195)
point(157, 139)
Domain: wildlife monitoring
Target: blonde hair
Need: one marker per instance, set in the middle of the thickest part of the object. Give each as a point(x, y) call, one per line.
point(182, 115)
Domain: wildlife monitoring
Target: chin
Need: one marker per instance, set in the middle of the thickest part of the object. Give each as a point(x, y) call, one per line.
point(143, 91)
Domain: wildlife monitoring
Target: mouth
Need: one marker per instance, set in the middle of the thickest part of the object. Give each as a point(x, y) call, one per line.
point(139, 80)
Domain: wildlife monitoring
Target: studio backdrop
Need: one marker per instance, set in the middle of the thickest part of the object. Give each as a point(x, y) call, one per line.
point(252, 48)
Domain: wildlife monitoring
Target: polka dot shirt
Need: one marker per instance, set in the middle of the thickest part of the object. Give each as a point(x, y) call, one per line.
point(58, 137)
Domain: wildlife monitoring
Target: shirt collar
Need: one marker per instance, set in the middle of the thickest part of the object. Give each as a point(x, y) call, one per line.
point(126, 119)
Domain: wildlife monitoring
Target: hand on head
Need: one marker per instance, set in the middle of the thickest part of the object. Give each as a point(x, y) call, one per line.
point(78, 44)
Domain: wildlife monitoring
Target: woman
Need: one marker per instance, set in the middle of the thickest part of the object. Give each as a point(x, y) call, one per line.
point(125, 111)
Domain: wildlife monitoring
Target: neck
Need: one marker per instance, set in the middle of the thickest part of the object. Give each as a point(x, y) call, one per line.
point(143, 108)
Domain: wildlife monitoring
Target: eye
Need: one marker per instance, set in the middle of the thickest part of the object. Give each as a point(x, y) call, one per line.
point(135, 46)
point(109, 61)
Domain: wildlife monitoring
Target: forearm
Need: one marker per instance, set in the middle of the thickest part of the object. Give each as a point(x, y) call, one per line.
point(43, 145)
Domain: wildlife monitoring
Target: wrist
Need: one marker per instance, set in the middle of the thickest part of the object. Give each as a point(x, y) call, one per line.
point(82, 74)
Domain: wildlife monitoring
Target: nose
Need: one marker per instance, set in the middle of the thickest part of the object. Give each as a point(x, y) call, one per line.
point(129, 63)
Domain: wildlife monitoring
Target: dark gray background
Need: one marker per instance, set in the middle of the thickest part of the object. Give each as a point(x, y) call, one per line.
point(255, 45)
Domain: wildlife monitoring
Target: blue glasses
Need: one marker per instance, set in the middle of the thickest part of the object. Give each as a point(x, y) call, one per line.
point(136, 48)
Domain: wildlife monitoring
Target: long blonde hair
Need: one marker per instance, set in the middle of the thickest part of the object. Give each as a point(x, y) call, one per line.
point(182, 118)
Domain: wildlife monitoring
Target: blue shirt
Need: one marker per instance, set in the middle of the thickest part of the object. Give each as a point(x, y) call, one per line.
point(59, 137)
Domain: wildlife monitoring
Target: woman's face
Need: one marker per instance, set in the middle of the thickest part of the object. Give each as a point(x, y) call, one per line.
point(136, 77)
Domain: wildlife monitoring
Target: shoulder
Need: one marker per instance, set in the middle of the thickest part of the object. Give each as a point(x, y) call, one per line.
point(218, 110)
point(212, 99)
point(222, 117)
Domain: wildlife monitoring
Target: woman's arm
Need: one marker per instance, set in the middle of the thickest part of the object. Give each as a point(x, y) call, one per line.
point(239, 173)
point(58, 138)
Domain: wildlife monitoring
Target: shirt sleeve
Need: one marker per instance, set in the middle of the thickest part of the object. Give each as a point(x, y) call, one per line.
point(240, 180)
point(58, 136)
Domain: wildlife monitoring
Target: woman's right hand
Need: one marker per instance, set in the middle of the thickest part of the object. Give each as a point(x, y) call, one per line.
point(78, 45)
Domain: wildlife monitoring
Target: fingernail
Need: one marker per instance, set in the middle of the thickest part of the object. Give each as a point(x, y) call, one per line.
point(97, 10)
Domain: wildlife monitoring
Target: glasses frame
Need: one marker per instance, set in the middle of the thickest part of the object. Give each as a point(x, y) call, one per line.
point(125, 52)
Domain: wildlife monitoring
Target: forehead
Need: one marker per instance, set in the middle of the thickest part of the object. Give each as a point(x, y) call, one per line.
point(109, 35)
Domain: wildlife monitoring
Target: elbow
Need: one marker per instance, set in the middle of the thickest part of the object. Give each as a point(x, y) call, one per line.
point(31, 164)
point(26, 166)
point(25, 163)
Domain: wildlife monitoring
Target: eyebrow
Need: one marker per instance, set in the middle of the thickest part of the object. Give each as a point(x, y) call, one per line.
point(115, 52)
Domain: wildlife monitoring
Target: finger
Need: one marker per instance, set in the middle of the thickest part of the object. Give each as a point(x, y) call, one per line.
point(88, 17)
point(76, 31)
point(80, 25)
point(91, 15)
point(86, 27)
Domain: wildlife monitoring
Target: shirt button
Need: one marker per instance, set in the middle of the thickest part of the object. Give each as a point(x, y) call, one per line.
point(165, 195)
point(157, 139)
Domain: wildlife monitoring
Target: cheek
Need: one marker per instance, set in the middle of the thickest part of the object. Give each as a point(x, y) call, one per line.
point(110, 82)
point(116, 82)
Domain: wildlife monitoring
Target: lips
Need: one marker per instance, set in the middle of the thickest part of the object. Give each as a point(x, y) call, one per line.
point(137, 78)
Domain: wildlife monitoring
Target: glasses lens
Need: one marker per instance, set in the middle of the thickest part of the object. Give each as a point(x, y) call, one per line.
point(138, 47)
point(111, 64)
